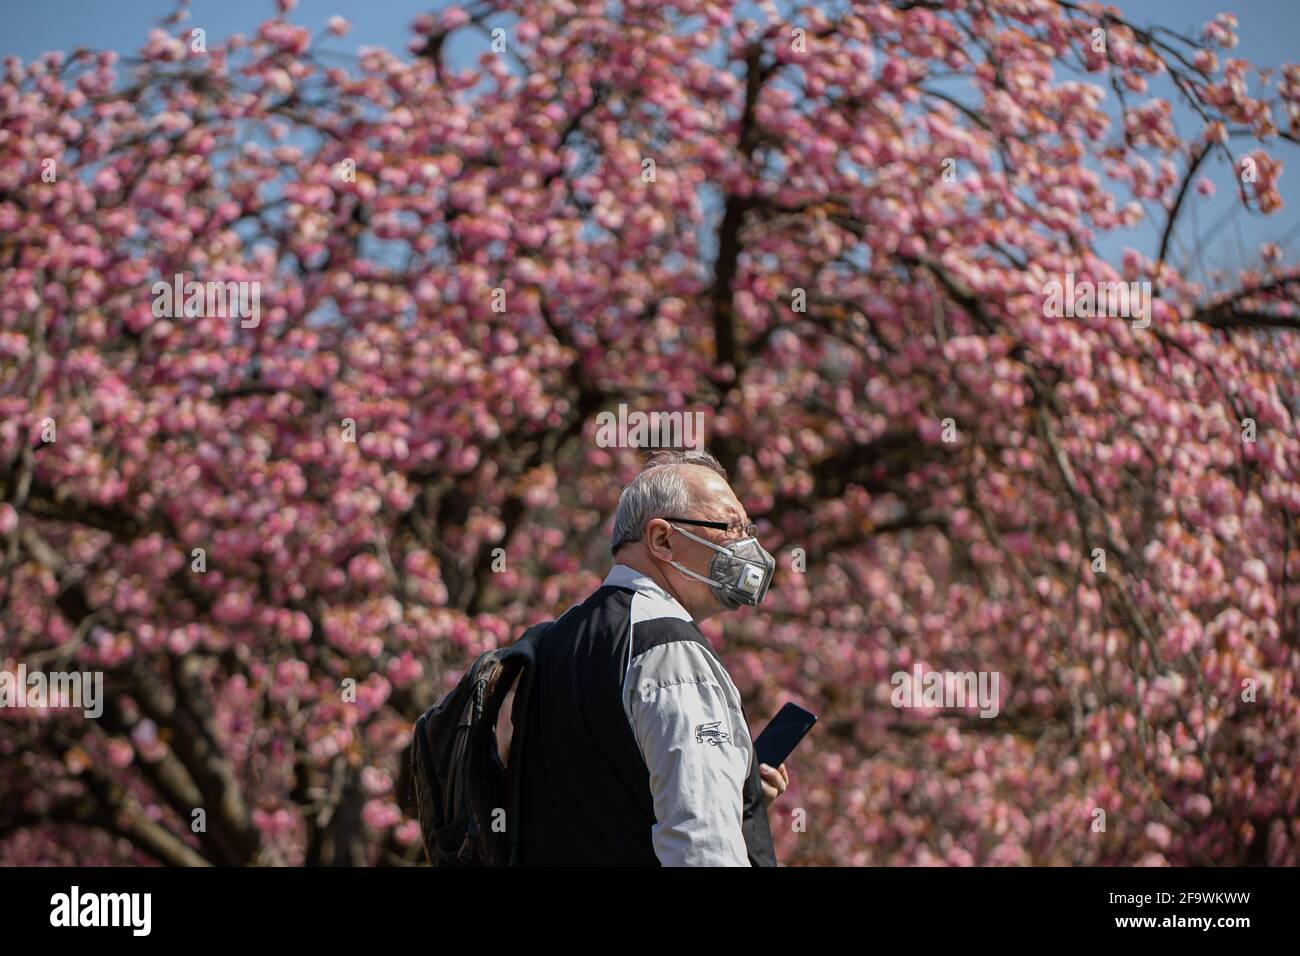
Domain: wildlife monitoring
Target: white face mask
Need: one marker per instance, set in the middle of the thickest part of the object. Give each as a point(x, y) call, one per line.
point(740, 572)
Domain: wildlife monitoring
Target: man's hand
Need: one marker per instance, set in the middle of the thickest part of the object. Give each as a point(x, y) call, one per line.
point(774, 782)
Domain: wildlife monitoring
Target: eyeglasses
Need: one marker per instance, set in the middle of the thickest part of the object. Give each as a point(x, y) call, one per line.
point(736, 529)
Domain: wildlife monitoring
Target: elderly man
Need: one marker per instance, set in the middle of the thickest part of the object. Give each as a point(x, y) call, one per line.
point(638, 752)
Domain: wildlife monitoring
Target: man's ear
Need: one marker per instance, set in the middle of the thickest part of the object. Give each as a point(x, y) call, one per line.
point(658, 536)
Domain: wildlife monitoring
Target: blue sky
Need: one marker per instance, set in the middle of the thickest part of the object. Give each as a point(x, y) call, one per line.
point(1231, 235)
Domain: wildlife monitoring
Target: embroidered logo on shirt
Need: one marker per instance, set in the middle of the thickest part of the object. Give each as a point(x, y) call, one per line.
point(711, 733)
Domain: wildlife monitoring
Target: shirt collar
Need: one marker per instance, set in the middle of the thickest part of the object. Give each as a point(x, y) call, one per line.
point(621, 576)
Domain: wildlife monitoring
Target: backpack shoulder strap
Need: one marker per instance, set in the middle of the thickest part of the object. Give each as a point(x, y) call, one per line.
point(527, 648)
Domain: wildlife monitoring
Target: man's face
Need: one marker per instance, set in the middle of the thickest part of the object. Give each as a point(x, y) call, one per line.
point(715, 501)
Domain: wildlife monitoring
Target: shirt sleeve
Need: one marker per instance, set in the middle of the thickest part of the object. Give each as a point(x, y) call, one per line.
point(686, 716)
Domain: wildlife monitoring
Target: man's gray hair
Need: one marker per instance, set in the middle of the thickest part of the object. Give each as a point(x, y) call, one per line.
point(656, 493)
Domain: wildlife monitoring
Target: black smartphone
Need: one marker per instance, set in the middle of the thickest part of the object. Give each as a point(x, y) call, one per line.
point(782, 735)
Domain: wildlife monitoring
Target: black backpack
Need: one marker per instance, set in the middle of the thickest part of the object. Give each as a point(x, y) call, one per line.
point(461, 787)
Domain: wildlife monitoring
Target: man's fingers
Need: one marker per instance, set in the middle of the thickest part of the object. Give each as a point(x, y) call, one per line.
point(777, 779)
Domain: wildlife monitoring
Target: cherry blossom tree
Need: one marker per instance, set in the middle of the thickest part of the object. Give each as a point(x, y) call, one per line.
point(829, 229)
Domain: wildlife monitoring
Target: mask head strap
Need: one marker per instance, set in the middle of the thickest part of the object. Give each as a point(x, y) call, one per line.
point(685, 570)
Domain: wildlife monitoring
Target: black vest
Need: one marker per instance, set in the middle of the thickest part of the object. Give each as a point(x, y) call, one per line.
point(586, 797)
